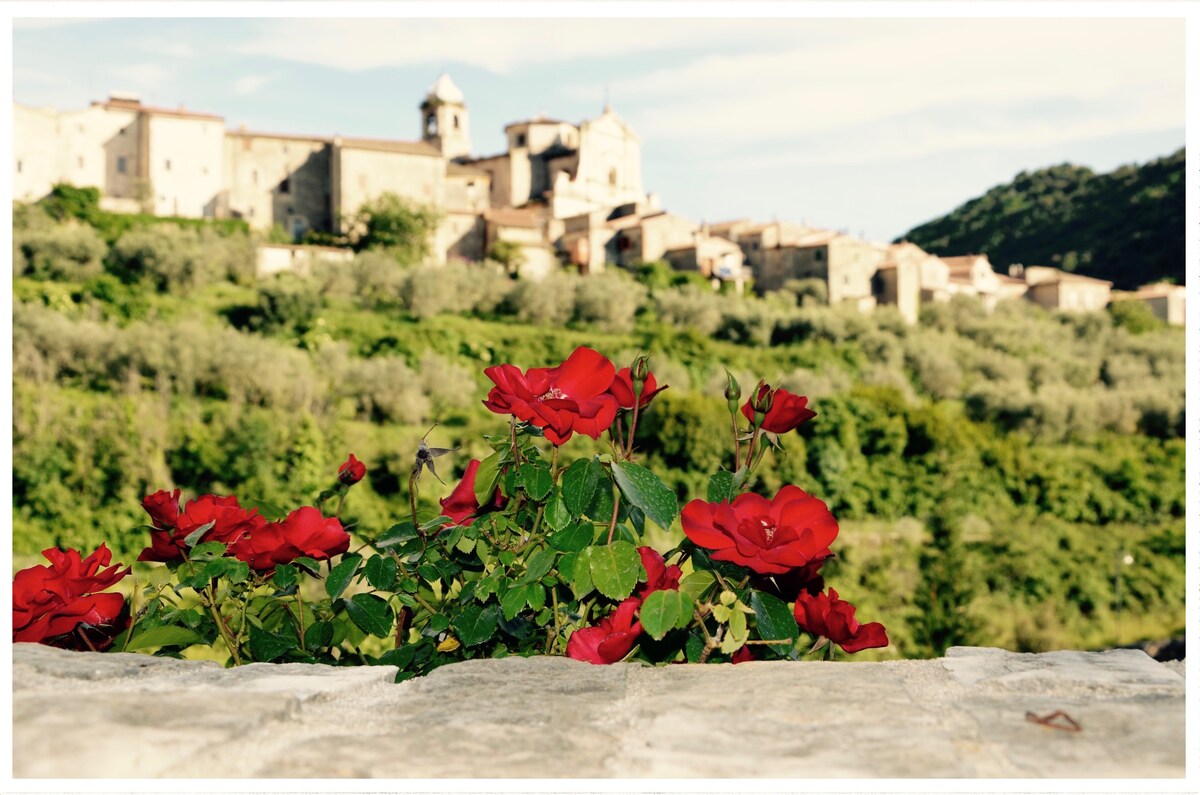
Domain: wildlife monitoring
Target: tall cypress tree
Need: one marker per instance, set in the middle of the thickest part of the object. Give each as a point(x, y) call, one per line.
point(945, 589)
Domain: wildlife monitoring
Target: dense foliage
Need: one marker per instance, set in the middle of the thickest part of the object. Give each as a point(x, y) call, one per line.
point(1059, 436)
point(1125, 226)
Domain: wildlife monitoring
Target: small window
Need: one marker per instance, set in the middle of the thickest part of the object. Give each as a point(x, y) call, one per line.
point(520, 139)
point(204, 171)
point(250, 213)
point(123, 129)
point(122, 165)
point(19, 164)
point(819, 255)
point(431, 124)
point(285, 186)
point(167, 165)
point(254, 176)
point(612, 177)
point(456, 121)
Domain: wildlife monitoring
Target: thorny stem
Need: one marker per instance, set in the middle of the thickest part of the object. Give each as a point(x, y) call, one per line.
point(632, 427)
point(412, 501)
point(222, 627)
point(557, 623)
point(300, 614)
point(737, 446)
point(341, 502)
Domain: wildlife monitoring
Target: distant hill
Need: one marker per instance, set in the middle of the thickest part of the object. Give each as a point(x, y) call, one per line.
point(1126, 226)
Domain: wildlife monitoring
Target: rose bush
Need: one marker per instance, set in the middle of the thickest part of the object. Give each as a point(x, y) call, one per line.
point(530, 552)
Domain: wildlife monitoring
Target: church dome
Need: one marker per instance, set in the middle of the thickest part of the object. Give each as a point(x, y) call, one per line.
point(444, 90)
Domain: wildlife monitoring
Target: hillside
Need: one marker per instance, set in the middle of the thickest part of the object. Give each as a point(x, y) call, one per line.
point(1126, 226)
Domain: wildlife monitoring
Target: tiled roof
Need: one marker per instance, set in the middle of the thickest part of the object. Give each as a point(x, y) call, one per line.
point(402, 147)
point(138, 107)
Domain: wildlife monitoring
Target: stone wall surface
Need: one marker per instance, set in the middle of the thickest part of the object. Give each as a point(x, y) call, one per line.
point(131, 715)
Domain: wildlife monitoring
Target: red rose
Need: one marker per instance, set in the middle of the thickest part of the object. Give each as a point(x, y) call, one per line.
point(163, 507)
point(611, 639)
point(571, 398)
point(787, 413)
point(622, 389)
point(767, 536)
point(304, 533)
point(827, 616)
point(229, 520)
point(352, 471)
point(51, 602)
point(659, 576)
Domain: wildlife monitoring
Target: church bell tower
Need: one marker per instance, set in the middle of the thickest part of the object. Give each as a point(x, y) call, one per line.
point(444, 119)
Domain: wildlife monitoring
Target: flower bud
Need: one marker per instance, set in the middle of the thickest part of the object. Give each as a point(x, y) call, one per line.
point(732, 390)
point(638, 373)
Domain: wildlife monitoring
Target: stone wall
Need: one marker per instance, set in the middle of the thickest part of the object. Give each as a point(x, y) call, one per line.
point(129, 715)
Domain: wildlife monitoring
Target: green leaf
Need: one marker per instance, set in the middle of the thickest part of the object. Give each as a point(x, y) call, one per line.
point(308, 564)
point(581, 574)
point(371, 613)
point(396, 534)
point(285, 577)
point(266, 646)
point(557, 516)
point(341, 575)
point(486, 477)
point(476, 624)
point(198, 533)
point(774, 620)
point(539, 563)
point(266, 509)
point(696, 583)
point(381, 572)
point(602, 502)
point(663, 611)
point(615, 568)
point(536, 480)
point(164, 636)
point(579, 483)
point(207, 550)
point(318, 635)
point(720, 487)
point(513, 600)
point(236, 571)
point(574, 538)
point(643, 488)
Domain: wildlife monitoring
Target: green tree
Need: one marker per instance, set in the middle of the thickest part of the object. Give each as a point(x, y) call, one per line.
point(403, 227)
point(508, 254)
point(1134, 316)
point(945, 590)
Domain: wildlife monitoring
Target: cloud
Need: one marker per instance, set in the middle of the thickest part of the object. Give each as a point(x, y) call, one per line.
point(171, 49)
point(908, 88)
point(146, 77)
point(499, 46)
point(249, 84)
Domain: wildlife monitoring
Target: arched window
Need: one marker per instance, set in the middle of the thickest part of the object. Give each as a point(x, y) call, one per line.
point(456, 121)
point(431, 124)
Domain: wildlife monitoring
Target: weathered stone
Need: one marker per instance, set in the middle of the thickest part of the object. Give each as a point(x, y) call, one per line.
point(963, 716)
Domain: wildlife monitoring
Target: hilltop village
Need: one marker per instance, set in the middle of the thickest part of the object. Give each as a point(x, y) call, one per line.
point(563, 194)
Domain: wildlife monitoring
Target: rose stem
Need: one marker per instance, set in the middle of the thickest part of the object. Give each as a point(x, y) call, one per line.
point(612, 525)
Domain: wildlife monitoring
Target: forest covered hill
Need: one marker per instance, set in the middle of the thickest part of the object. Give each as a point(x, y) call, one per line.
point(1126, 226)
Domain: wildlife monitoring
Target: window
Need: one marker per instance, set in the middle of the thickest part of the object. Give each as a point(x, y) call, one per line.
point(123, 129)
point(19, 166)
point(122, 165)
point(819, 255)
point(285, 186)
point(520, 139)
point(204, 171)
point(167, 165)
point(612, 176)
point(254, 176)
point(431, 124)
point(456, 121)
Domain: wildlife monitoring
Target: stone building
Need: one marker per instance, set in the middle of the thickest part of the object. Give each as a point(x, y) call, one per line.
point(184, 163)
point(1057, 289)
point(1166, 301)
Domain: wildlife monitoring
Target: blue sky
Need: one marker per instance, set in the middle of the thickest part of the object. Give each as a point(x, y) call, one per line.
point(872, 126)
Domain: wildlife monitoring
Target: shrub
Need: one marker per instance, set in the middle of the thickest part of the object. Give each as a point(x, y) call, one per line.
point(454, 288)
point(66, 252)
point(1133, 316)
point(549, 302)
point(608, 301)
point(689, 307)
point(397, 225)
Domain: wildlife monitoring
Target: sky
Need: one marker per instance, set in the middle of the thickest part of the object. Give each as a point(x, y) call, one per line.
point(868, 125)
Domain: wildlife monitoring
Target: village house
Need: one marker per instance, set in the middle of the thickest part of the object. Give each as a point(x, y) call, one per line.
point(1056, 289)
point(1166, 301)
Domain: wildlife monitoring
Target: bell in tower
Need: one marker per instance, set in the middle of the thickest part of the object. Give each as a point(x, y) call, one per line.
point(444, 119)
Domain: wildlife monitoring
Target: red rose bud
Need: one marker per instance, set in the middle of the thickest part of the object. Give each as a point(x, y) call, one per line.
point(570, 398)
point(744, 654)
point(659, 576)
point(611, 639)
point(774, 536)
point(352, 471)
point(785, 413)
point(55, 604)
point(306, 532)
point(623, 389)
point(163, 507)
point(827, 616)
point(641, 368)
